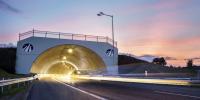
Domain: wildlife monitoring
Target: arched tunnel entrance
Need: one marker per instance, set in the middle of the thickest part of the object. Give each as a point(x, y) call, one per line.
point(68, 59)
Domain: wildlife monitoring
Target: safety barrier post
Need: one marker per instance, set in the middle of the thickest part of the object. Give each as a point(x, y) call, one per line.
point(198, 75)
point(1, 89)
point(18, 85)
point(146, 73)
point(2, 86)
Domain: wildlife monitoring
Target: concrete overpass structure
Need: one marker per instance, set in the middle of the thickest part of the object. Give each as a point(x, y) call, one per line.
point(65, 53)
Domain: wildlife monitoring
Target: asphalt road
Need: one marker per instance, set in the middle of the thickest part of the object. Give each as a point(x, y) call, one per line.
point(133, 91)
point(48, 89)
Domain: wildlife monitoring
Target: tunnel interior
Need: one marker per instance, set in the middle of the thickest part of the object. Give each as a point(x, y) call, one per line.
point(68, 59)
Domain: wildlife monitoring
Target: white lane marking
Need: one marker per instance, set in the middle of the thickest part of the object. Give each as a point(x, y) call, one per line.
point(93, 95)
point(177, 94)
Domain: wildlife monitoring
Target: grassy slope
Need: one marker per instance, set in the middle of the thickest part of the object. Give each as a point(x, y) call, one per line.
point(7, 75)
point(129, 64)
point(10, 91)
point(152, 68)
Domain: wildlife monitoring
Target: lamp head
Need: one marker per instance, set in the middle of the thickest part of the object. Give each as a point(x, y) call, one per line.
point(100, 14)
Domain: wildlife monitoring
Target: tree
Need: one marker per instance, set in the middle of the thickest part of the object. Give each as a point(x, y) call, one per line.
point(190, 63)
point(159, 61)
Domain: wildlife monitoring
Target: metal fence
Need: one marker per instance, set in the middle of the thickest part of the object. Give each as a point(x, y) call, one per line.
point(71, 36)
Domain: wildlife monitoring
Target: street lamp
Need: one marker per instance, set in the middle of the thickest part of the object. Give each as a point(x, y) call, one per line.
point(113, 38)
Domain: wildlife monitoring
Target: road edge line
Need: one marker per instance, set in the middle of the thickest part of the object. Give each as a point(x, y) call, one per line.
point(88, 93)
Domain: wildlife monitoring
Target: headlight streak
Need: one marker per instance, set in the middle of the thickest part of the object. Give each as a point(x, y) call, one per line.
point(133, 80)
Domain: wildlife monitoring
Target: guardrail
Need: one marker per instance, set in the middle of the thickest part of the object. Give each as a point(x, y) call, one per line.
point(8, 82)
point(60, 35)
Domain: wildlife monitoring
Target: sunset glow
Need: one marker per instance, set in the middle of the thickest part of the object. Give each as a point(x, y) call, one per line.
point(154, 27)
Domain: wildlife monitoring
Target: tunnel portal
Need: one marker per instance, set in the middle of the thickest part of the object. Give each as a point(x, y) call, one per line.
point(47, 52)
point(67, 59)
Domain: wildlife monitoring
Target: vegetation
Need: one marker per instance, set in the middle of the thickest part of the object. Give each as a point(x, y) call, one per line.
point(12, 90)
point(7, 59)
point(124, 59)
point(160, 61)
point(190, 63)
point(8, 75)
point(128, 64)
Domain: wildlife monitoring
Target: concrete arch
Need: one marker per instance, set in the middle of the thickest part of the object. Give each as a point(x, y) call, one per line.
point(66, 58)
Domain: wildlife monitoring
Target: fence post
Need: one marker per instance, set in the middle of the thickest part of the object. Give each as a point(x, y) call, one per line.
point(72, 37)
point(97, 39)
point(106, 39)
point(85, 37)
point(59, 35)
point(19, 36)
point(45, 34)
point(33, 32)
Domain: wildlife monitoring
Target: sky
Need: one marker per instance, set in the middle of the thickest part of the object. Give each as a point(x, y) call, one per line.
point(168, 28)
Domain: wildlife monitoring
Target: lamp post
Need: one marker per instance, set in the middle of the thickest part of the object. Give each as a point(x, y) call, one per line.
point(113, 38)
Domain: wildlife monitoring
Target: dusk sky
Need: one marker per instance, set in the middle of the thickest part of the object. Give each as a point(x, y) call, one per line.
point(154, 27)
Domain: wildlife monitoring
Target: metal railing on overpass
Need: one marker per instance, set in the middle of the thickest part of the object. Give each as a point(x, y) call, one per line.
point(71, 36)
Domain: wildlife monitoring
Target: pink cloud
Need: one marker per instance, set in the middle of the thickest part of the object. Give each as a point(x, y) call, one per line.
point(7, 38)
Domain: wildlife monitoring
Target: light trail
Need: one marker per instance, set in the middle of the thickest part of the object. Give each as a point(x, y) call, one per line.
point(133, 80)
point(72, 78)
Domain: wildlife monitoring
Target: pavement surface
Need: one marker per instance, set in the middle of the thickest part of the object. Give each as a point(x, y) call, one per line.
point(50, 89)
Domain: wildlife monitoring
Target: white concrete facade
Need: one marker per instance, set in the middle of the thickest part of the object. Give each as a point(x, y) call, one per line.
point(27, 54)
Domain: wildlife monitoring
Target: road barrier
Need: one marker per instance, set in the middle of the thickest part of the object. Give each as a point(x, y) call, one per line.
point(17, 81)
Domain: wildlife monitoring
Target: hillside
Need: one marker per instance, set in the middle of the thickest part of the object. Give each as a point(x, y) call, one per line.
point(130, 65)
point(124, 59)
point(7, 59)
point(151, 68)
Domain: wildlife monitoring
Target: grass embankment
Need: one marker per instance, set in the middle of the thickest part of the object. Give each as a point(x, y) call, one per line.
point(6, 75)
point(11, 90)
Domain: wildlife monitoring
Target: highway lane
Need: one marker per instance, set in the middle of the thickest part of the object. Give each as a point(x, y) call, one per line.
point(49, 89)
point(133, 91)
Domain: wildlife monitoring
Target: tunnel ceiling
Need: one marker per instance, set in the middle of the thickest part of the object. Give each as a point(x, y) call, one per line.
point(66, 59)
